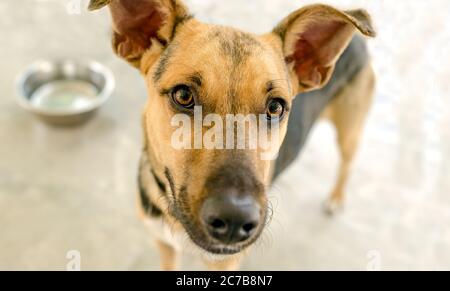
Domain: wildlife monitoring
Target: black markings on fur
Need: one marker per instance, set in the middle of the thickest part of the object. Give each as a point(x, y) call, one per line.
point(234, 175)
point(148, 207)
point(97, 4)
point(182, 197)
point(270, 86)
point(161, 185)
point(233, 92)
point(178, 22)
point(171, 182)
point(239, 46)
point(169, 47)
point(196, 79)
point(280, 31)
point(163, 63)
point(161, 40)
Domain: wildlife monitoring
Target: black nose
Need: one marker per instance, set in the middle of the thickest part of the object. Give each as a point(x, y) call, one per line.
point(231, 218)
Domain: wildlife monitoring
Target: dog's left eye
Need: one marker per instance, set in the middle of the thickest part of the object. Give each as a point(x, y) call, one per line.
point(182, 96)
point(275, 109)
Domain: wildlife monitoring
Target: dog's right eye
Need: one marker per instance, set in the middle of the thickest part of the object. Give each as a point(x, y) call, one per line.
point(182, 96)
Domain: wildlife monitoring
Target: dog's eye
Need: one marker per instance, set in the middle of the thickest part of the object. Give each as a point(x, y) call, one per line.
point(183, 96)
point(275, 109)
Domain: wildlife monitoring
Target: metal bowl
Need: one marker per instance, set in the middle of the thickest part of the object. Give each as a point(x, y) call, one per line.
point(65, 92)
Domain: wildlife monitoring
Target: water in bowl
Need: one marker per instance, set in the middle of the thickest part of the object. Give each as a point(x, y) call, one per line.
point(64, 96)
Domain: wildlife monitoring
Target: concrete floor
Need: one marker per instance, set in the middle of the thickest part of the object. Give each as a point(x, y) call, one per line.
point(73, 189)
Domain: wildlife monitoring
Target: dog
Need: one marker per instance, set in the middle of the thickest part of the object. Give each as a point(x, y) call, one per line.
point(313, 64)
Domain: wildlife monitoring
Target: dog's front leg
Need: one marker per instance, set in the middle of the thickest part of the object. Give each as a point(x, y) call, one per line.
point(229, 264)
point(169, 256)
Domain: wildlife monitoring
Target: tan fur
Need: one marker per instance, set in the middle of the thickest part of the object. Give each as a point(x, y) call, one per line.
point(235, 68)
point(257, 71)
point(169, 257)
point(231, 264)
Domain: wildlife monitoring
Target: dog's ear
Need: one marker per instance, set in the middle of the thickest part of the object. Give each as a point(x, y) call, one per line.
point(313, 39)
point(139, 24)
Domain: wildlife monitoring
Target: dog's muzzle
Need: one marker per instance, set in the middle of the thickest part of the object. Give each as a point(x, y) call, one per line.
point(232, 213)
point(230, 217)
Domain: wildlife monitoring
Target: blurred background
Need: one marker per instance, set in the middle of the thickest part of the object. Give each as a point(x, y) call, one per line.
point(74, 189)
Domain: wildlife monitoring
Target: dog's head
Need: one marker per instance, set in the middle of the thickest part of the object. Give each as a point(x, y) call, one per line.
point(197, 72)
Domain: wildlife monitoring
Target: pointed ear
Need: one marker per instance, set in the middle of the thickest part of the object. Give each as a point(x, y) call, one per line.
point(139, 24)
point(313, 39)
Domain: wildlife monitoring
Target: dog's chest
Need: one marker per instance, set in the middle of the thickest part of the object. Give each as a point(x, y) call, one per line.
point(161, 230)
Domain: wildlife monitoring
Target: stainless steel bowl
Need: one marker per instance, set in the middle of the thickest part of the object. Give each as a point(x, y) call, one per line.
point(65, 92)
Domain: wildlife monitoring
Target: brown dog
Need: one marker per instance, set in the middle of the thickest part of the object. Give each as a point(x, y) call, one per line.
point(216, 198)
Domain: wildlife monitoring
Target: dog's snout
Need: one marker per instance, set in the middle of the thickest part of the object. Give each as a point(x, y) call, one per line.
point(231, 218)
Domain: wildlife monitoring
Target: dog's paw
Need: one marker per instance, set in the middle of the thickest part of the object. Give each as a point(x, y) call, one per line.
point(332, 207)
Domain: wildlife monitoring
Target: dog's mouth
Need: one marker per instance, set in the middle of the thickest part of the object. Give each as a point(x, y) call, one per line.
point(218, 248)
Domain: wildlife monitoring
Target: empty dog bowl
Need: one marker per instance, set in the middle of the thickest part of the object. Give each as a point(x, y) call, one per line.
point(65, 92)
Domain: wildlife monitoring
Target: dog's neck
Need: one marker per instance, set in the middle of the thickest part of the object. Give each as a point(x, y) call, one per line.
point(150, 183)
